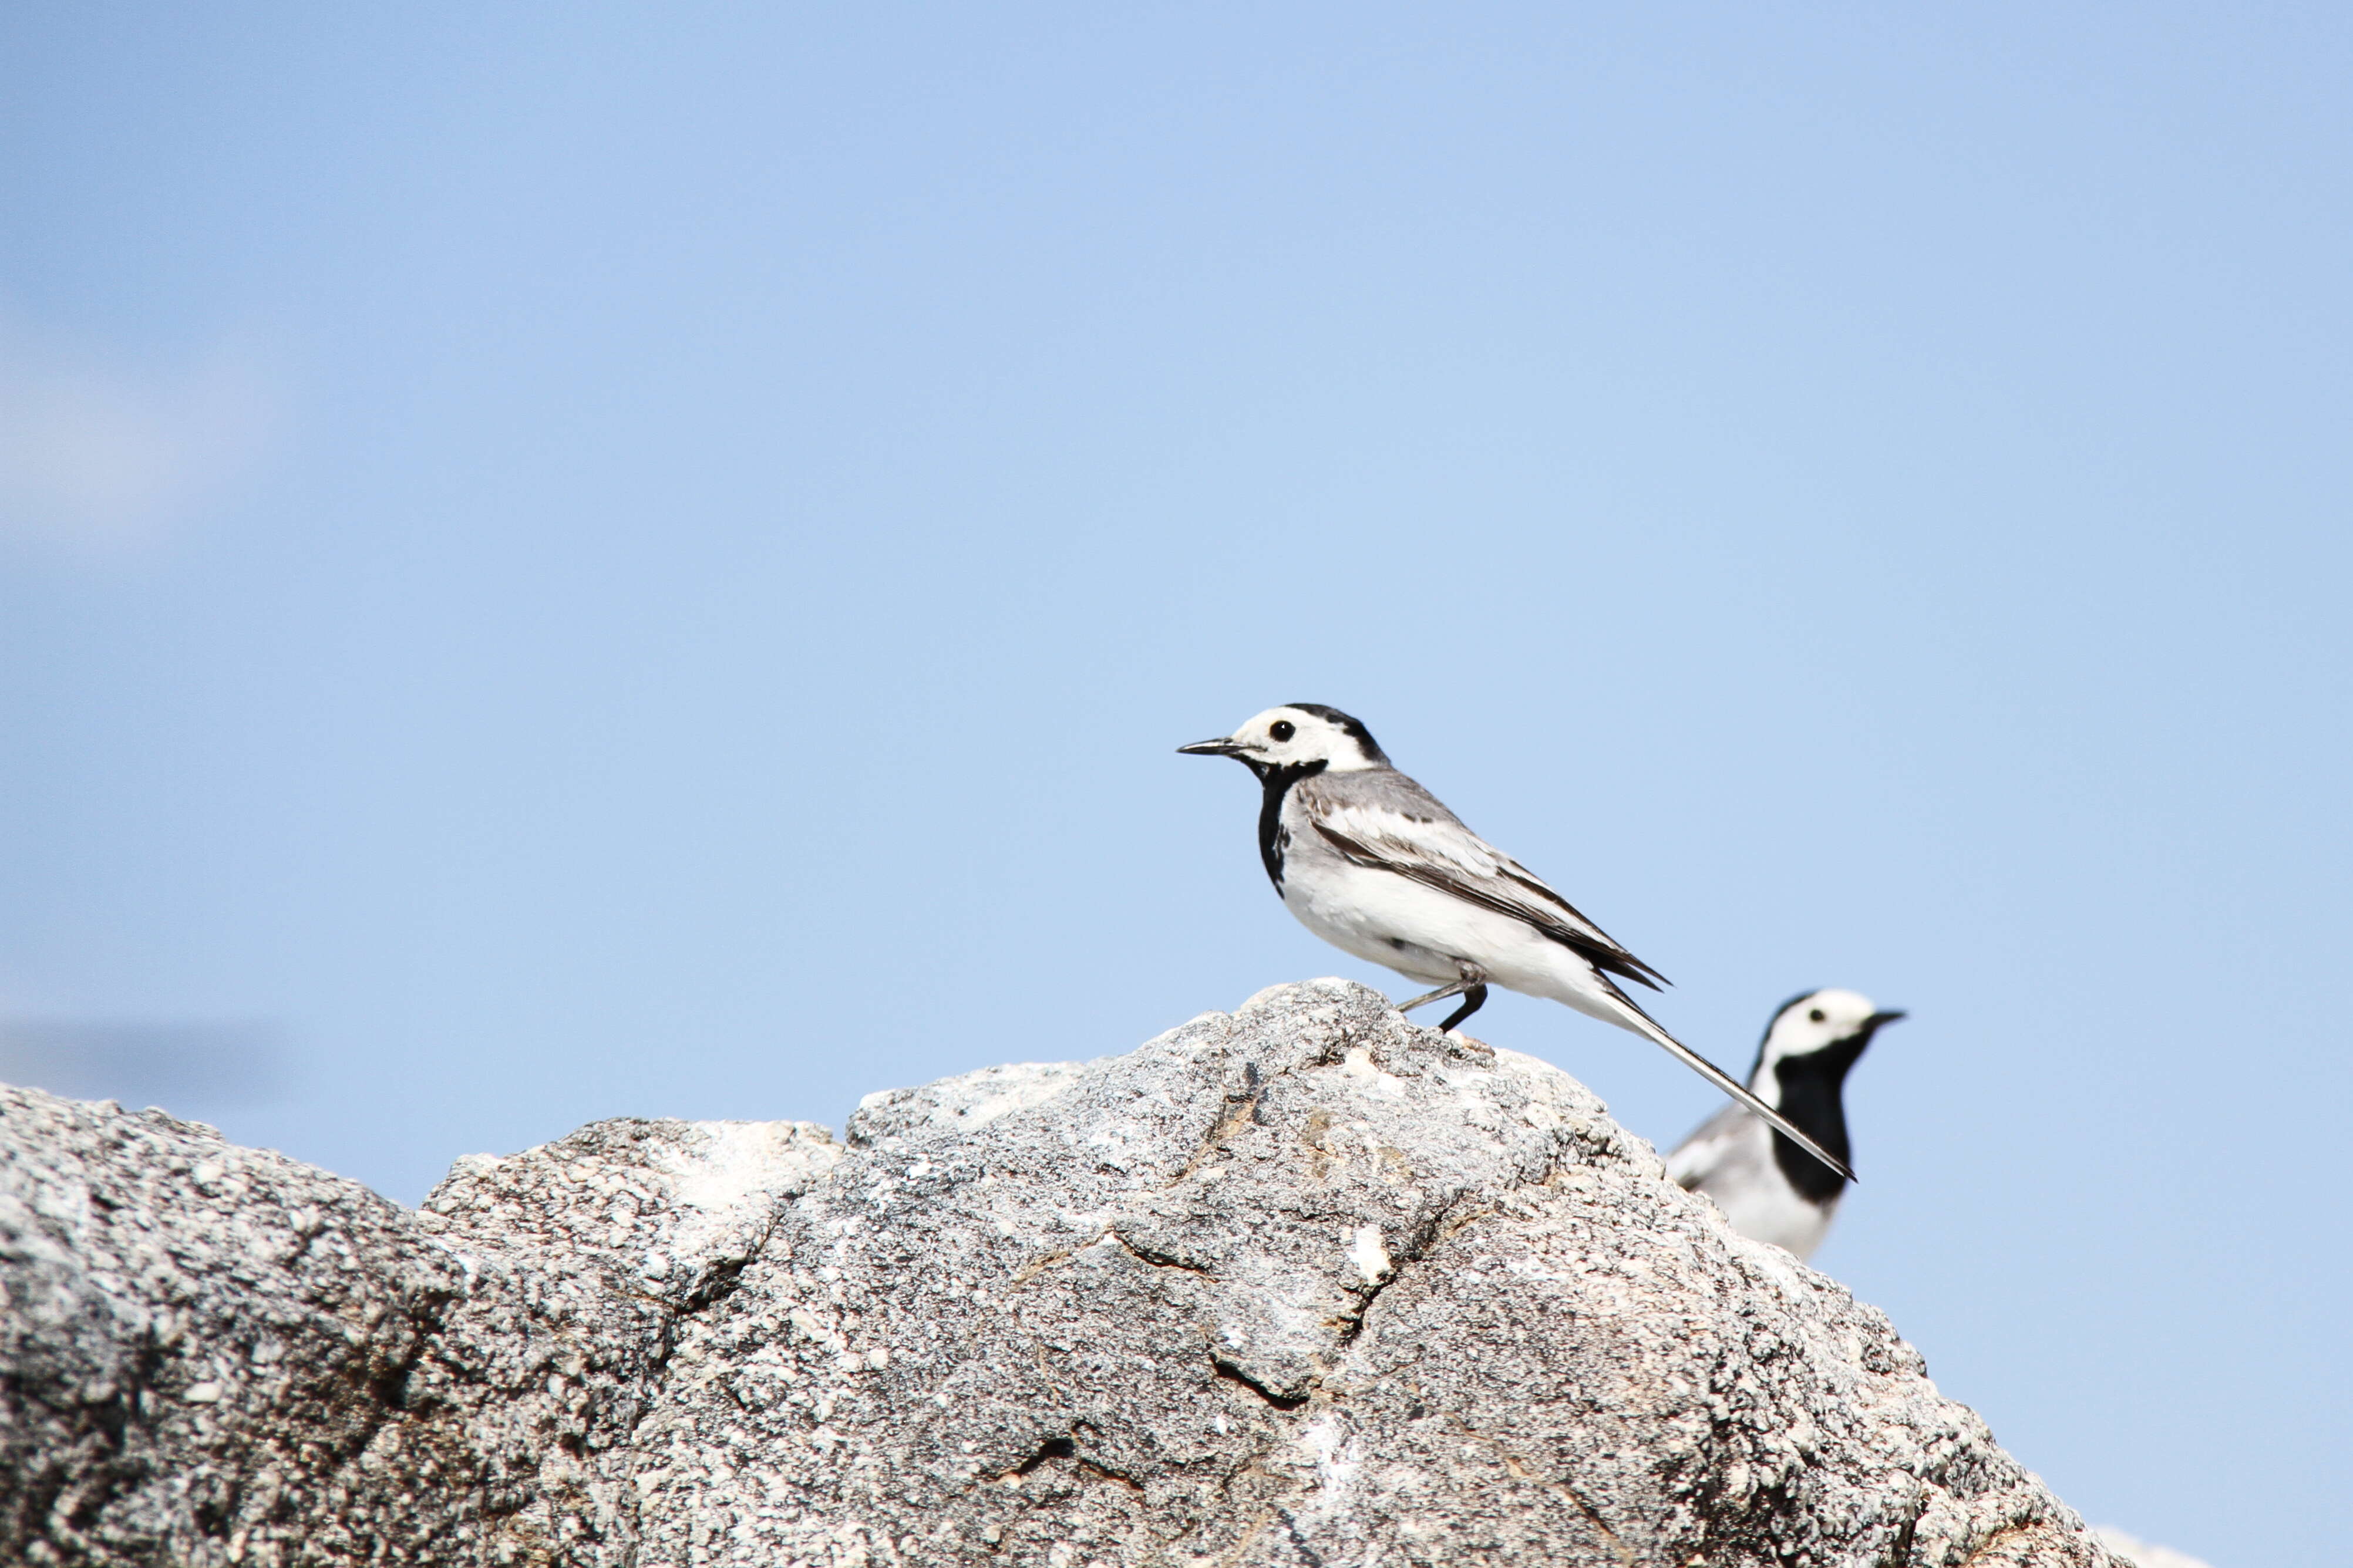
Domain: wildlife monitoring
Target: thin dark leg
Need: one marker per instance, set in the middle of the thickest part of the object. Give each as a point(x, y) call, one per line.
point(1472, 1000)
point(1436, 995)
point(1472, 984)
point(1441, 994)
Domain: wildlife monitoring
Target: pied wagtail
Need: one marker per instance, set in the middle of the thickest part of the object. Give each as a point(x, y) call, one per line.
point(1372, 863)
point(1770, 1189)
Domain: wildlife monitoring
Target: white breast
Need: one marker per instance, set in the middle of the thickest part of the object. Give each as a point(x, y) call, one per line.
point(1772, 1211)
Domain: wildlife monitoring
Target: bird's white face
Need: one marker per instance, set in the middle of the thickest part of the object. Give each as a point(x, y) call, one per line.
point(1289, 737)
point(1824, 1018)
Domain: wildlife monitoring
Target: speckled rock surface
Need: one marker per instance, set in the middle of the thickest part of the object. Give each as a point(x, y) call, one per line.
point(1301, 1284)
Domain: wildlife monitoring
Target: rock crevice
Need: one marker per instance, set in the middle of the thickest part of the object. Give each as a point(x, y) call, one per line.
point(1299, 1284)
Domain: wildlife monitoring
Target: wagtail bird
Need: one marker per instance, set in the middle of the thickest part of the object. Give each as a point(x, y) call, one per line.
point(1770, 1189)
point(1372, 863)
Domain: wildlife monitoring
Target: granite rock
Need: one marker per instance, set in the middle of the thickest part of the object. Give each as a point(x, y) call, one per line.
point(1299, 1284)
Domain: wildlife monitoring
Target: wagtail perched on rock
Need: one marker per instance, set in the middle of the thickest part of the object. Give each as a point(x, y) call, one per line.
point(1770, 1189)
point(1372, 863)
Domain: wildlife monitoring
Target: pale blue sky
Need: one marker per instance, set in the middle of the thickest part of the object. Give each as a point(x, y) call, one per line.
point(558, 563)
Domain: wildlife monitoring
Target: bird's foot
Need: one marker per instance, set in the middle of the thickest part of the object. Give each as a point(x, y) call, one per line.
point(1472, 988)
point(1472, 1000)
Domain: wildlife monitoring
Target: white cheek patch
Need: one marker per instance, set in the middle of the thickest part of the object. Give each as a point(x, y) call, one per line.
point(1797, 1033)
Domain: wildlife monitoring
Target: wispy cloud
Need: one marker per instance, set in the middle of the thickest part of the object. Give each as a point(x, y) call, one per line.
point(102, 455)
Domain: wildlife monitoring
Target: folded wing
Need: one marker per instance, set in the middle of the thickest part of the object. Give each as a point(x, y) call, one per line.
point(1437, 851)
point(1711, 1152)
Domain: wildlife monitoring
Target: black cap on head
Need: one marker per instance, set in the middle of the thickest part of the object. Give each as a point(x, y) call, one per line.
point(1352, 727)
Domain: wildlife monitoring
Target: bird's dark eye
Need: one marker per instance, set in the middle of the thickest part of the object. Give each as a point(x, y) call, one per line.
point(1817, 1014)
point(1282, 729)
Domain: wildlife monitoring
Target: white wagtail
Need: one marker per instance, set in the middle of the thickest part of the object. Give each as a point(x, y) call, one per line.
point(1770, 1189)
point(1372, 863)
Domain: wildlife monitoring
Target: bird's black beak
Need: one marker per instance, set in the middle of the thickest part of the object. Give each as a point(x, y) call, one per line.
point(1223, 746)
point(1871, 1025)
